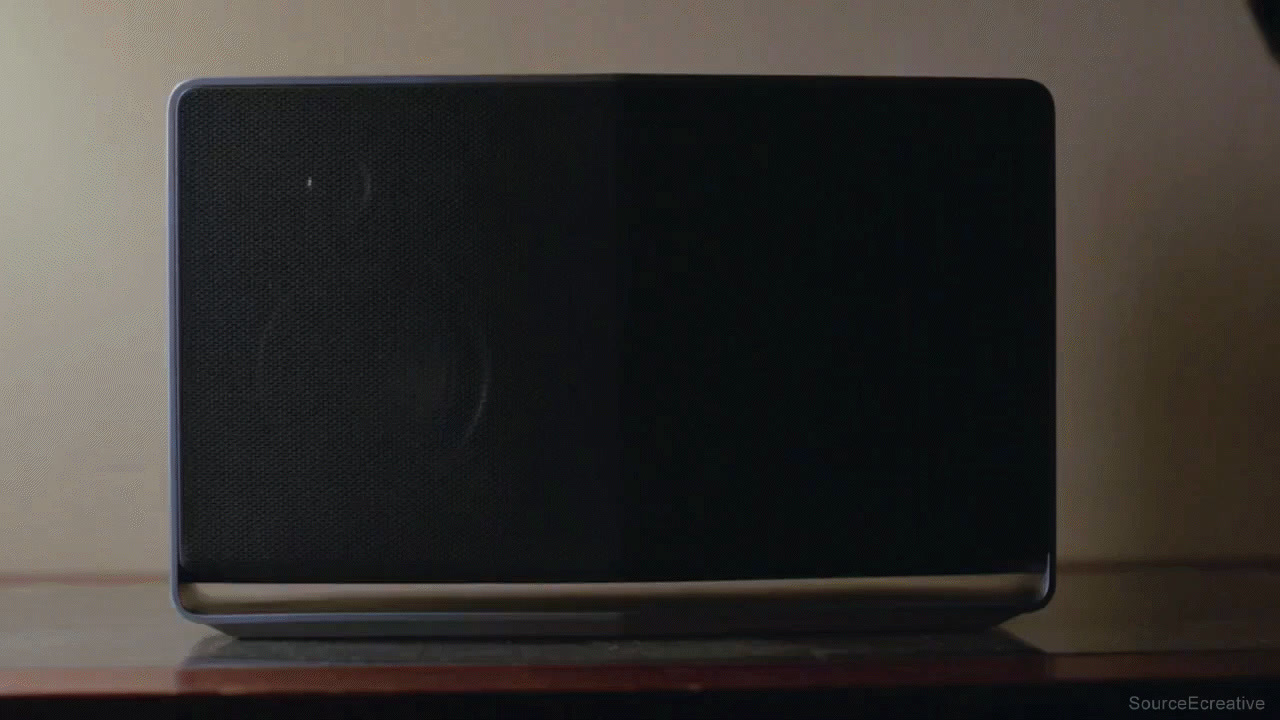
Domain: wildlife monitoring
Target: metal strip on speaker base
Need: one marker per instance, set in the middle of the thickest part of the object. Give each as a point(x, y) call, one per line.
point(252, 598)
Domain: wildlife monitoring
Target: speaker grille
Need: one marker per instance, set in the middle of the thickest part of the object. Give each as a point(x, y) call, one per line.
point(636, 328)
point(349, 259)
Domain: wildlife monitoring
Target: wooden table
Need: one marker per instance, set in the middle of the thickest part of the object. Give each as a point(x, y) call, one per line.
point(1110, 638)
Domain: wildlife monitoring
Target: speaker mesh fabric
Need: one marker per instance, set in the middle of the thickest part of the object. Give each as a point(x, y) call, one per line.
point(613, 329)
point(337, 347)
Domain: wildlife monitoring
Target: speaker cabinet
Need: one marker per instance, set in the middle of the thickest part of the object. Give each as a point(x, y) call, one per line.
point(559, 354)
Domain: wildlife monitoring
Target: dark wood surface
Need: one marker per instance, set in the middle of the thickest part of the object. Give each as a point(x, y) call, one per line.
point(96, 637)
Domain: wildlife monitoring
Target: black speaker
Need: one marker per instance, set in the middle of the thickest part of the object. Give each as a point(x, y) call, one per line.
point(544, 354)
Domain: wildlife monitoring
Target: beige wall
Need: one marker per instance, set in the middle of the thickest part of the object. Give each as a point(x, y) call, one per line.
point(1169, 140)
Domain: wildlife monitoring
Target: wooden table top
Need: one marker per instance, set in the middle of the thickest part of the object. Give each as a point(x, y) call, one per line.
point(119, 637)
